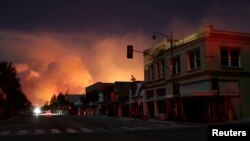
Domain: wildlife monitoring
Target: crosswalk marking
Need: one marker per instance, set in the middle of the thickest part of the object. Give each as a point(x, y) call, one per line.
point(114, 129)
point(86, 130)
point(152, 127)
point(71, 130)
point(159, 126)
point(55, 131)
point(128, 128)
point(101, 129)
point(142, 128)
point(83, 130)
point(39, 131)
point(22, 132)
point(4, 133)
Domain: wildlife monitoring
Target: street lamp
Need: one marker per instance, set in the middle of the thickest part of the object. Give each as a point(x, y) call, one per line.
point(170, 39)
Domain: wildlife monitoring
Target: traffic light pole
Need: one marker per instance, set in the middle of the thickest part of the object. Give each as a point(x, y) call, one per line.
point(174, 103)
point(130, 51)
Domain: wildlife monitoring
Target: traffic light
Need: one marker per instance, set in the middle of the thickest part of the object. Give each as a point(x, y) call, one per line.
point(129, 51)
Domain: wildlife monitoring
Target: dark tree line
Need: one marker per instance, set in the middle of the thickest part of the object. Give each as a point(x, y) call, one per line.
point(59, 102)
point(13, 101)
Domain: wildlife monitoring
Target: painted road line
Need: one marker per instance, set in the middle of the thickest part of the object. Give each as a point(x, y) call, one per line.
point(22, 132)
point(39, 131)
point(101, 129)
point(71, 130)
point(114, 129)
point(55, 131)
point(149, 127)
point(128, 128)
point(160, 125)
point(142, 128)
point(86, 130)
point(4, 133)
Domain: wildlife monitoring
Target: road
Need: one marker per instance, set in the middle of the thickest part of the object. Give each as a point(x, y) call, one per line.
point(77, 128)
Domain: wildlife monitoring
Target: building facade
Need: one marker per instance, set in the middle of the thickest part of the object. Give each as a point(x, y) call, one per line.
point(76, 104)
point(98, 98)
point(136, 100)
point(118, 99)
point(212, 76)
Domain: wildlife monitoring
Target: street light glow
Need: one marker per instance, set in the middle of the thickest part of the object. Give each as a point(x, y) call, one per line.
point(37, 110)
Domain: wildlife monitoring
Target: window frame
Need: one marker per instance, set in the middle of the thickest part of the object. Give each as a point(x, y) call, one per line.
point(176, 64)
point(229, 59)
point(150, 72)
point(196, 61)
point(160, 69)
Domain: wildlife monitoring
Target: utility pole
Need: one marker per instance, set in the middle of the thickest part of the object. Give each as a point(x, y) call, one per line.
point(175, 86)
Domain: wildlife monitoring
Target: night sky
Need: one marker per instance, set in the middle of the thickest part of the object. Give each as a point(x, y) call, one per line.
point(119, 16)
point(66, 45)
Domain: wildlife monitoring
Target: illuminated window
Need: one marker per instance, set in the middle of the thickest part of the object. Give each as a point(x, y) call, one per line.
point(230, 57)
point(193, 58)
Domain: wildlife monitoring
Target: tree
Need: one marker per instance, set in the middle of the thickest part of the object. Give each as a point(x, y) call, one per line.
point(53, 103)
point(15, 102)
point(59, 102)
point(62, 101)
point(46, 106)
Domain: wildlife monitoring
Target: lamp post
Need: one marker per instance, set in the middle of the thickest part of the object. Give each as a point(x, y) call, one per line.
point(170, 39)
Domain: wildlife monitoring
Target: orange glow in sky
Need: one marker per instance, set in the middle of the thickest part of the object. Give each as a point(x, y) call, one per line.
point(49, 63)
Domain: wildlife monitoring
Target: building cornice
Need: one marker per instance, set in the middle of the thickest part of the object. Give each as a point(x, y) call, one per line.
point(215, 36)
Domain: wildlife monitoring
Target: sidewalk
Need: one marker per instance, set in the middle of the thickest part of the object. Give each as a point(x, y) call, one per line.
point(175, 123)
point(237, 122)
point(186, 124)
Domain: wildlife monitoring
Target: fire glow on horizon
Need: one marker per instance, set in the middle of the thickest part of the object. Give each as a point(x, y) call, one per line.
point(49, 63)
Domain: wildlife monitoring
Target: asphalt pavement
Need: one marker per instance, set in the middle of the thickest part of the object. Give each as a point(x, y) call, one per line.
point(66, 128)
point(103, 128)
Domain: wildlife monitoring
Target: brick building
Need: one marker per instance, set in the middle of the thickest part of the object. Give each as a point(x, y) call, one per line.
point(212, 70)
